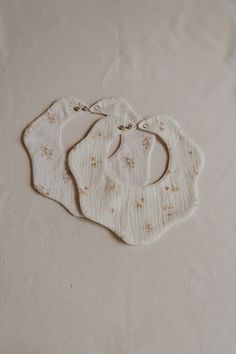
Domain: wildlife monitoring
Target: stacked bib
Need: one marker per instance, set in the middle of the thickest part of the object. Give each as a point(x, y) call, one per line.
point(114, 191)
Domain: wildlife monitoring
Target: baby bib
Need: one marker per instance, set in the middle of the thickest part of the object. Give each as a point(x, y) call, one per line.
point(137, 214)
point(42, 138)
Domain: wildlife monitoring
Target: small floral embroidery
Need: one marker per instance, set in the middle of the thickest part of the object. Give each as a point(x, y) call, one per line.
point(97, 134)
point(128, 162)
point(28, 130)
point(50, 116)
point(93, 162)
point(171, 189)
point(169, 209)
point(66, 177)
point(148, 227)
point(83, 191)
point(146, 143)
point(110, 187)
point(139, 203)
point(43, 190)
point(47, 152)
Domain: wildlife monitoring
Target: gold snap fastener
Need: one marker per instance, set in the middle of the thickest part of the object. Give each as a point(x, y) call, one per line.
point(129, 126)
point(84, 108)
point(121, 127)
point(145, 125)
point(76, 108)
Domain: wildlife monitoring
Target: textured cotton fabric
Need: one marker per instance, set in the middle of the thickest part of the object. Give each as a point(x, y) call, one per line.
point(137, 214)
point(131, 161)
point(42, 138)
point(51, 176)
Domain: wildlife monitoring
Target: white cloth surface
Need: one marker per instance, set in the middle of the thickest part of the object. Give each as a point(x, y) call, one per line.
point(69, 286)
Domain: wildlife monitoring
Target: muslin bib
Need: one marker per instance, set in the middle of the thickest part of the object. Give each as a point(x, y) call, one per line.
point(51, 176)
point(137, 214)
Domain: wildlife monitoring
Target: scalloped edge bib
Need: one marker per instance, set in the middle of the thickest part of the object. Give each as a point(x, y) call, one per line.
point(137, 214)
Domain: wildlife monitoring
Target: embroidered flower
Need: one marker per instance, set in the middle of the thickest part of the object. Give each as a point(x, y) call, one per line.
point(110, 187)
point(139, 203)
point(171, 188)
point(93, 162)
point(96, 134)
point(169, 209)
point(128, 162)
point(83, 191)
point(47, 152)
point(28, 130)
point(43, 190)
point(146, 143)
point(148, 227)
point(50, 116)
point(66, 177)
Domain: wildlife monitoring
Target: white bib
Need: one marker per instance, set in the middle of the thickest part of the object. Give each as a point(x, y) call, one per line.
point(51, 176)
point(137, 214)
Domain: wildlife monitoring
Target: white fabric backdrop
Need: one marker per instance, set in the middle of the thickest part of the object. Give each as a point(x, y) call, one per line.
point(68, 285)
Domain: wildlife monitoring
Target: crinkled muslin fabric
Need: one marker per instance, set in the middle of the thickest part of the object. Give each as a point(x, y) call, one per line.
point(51, 176)
point(137, 214)
point(131, 162)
